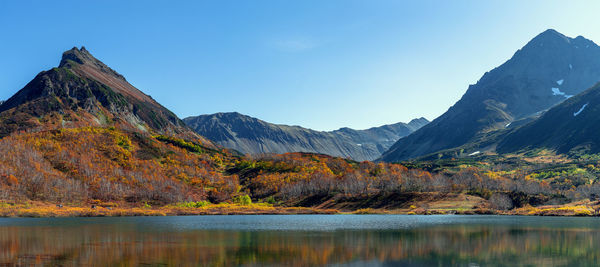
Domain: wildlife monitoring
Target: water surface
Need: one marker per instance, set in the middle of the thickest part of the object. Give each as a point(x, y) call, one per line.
point(302, 240)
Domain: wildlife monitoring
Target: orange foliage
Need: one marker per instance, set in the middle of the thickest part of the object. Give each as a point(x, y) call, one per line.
point(81, 165)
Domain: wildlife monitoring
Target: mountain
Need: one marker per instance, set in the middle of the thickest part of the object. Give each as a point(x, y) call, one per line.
point(82, 91)
point(80, 133)
point(545, 72)
point(570, 127)
point(253, 136)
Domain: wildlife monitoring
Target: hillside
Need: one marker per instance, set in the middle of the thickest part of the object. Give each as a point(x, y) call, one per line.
point(548, 70)
point(571, 127)
point(253, 136)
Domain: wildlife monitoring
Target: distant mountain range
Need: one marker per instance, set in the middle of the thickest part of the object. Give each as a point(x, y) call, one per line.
point(253, 136)
point(547, 71)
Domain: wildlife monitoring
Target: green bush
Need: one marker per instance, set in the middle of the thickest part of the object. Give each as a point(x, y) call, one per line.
point(270, 200)
point(242, 200)
point(189, 146)
point(191, 204)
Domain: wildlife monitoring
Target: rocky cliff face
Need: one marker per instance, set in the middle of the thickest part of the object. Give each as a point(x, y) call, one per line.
point(253, 136)
point(548, 70)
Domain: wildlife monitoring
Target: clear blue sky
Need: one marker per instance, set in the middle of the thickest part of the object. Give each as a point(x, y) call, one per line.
point(318, 64)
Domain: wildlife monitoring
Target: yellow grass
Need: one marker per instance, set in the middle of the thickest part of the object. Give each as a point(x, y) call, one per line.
point(555, 210)
point(458, 204)
point(40, 209)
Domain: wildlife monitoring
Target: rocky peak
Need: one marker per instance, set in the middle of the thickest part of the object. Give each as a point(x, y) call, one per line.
point(80, 56)
point(551, 40)
point(77, 58)
point(550, 35)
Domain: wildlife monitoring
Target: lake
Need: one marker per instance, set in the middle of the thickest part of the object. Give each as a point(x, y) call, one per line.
point(302, 240)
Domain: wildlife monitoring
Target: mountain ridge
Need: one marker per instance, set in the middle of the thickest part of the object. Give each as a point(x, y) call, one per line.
point(568, 128)
point(254, 136)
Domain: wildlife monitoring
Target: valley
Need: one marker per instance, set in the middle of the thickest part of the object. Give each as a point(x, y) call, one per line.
point(79, 140)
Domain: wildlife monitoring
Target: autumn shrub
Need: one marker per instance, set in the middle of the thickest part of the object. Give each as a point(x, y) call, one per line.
point(561, 211)
point(112, 165)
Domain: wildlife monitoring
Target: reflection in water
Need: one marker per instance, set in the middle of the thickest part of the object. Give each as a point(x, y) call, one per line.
point(292, 241)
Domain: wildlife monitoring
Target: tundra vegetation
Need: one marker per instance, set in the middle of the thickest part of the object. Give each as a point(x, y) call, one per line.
point(95, 171)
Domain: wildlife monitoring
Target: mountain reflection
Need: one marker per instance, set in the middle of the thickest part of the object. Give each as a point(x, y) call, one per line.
point(75, 244)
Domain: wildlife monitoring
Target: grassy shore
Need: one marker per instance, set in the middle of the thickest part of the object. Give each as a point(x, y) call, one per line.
point(552, 210)
point(43, 209)
point(472, 205)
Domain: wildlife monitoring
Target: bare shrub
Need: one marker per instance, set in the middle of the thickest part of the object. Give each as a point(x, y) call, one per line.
point(501, 201)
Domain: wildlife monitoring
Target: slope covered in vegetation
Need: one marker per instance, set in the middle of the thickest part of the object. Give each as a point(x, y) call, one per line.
point(111, 168)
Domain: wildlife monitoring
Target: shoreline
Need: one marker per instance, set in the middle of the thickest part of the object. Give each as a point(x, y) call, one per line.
point(51, 210)
point(48, 210)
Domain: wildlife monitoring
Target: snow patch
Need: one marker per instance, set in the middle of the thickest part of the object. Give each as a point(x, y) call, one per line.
point(506, 126)
point(570, 66)
point(474, 153)
point(556, 91)
point(359, 144)
point(560, 82)
point(580, 110)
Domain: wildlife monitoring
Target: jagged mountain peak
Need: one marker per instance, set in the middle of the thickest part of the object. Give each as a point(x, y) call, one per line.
point(80, 56)
point(83, 57)
point(87, 64)
point(83, 91)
